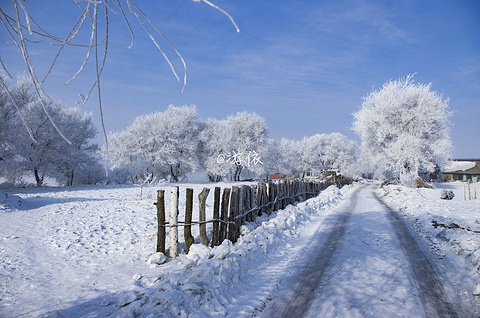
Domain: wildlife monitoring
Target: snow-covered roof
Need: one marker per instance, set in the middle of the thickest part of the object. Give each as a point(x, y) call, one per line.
point(453, 166)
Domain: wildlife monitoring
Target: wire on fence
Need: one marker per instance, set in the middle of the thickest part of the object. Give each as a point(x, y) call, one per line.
point(181, 223)
point(259, 207)
point(244, 214)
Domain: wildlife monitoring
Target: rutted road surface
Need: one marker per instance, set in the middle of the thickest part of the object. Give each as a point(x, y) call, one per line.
point(365, 263)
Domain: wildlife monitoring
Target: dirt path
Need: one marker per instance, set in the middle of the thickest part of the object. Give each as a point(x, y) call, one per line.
point(363, 263)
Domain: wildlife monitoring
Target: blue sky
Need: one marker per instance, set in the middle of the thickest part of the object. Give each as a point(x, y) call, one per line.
point(302, 65)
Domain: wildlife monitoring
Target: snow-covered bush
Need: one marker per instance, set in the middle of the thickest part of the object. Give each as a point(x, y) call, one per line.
point(404, 129)
point(447, 195)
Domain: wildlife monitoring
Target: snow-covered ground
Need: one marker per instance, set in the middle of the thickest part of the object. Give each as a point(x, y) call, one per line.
point(89, 251)
point(460, 239)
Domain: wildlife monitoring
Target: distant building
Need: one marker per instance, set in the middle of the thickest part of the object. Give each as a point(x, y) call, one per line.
point(463, 170)
point(275, 176)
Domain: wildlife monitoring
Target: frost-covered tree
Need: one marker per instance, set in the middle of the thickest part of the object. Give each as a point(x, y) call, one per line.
point(40, 149)
point(290, 154)
point(247, 134)
point(274, 160)
point(342, 153)
point(234, 144)
point(215, 142)
point(158, 145)
point(312, 153)
point(51, 155)
point(13, 101)
point(326, 151)
point(80, 160)
point(404, 129)
point(94, 17)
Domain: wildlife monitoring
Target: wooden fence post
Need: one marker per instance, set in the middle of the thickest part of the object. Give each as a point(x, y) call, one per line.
point(234, 205)
point(224, 215)
point(216, 216)
point(261, 197)
point(189, 240)
point(271, 198)
point(252, 191)
point(275, 197)
point(160, 221)
point(245, 205)
point(202, 198)
point(173, 222)
point(291, 191)
point(258, 201)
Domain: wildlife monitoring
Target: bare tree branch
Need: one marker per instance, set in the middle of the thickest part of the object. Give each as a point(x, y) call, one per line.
point(15, 28)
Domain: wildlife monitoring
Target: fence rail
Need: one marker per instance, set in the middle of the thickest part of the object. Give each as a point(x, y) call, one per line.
point(237, 205)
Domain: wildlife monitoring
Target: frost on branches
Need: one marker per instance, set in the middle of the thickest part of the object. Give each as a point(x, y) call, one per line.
point(404, 129)
point(97, 18)
point(243, 133)
point(327, 151)
point(39, 149)
point(159, 145)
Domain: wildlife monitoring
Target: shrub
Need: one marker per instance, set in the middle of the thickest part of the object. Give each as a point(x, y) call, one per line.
point(447, 195)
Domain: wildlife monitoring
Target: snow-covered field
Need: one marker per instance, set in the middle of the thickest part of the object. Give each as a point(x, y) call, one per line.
point(89, 251)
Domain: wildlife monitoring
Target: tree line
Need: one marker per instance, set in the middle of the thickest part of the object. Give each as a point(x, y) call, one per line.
point(166, 145)
point(403, 127)
point(174, 143)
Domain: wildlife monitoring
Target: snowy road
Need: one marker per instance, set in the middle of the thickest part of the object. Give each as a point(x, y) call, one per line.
point(363, 262)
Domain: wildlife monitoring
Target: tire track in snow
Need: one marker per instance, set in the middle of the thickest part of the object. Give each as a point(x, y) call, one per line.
point(300, 298)
point(363, 266)
point(431, 290)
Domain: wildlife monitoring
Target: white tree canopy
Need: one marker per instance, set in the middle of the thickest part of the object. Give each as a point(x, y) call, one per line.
point(404, 129)
point(215, 142)
point(158, 145)
point(326, 151)
point(49, 155)
point(233, 144)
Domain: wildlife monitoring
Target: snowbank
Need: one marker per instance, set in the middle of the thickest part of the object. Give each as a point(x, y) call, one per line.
point(208, 282)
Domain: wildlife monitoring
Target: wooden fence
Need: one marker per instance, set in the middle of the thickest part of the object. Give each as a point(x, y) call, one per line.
point(235, 206)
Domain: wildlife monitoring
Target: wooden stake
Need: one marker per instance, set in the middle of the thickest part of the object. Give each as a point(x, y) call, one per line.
point(173, 222)
point(202, 198)
point(224, 215)
point(216, 216)
point(271, 198)
point(234, 210)
point(161, 221)
point(189, 240)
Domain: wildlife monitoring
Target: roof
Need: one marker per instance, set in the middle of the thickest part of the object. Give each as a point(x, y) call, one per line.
point(465, 169)
point(474, 170)
point(459, 165)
